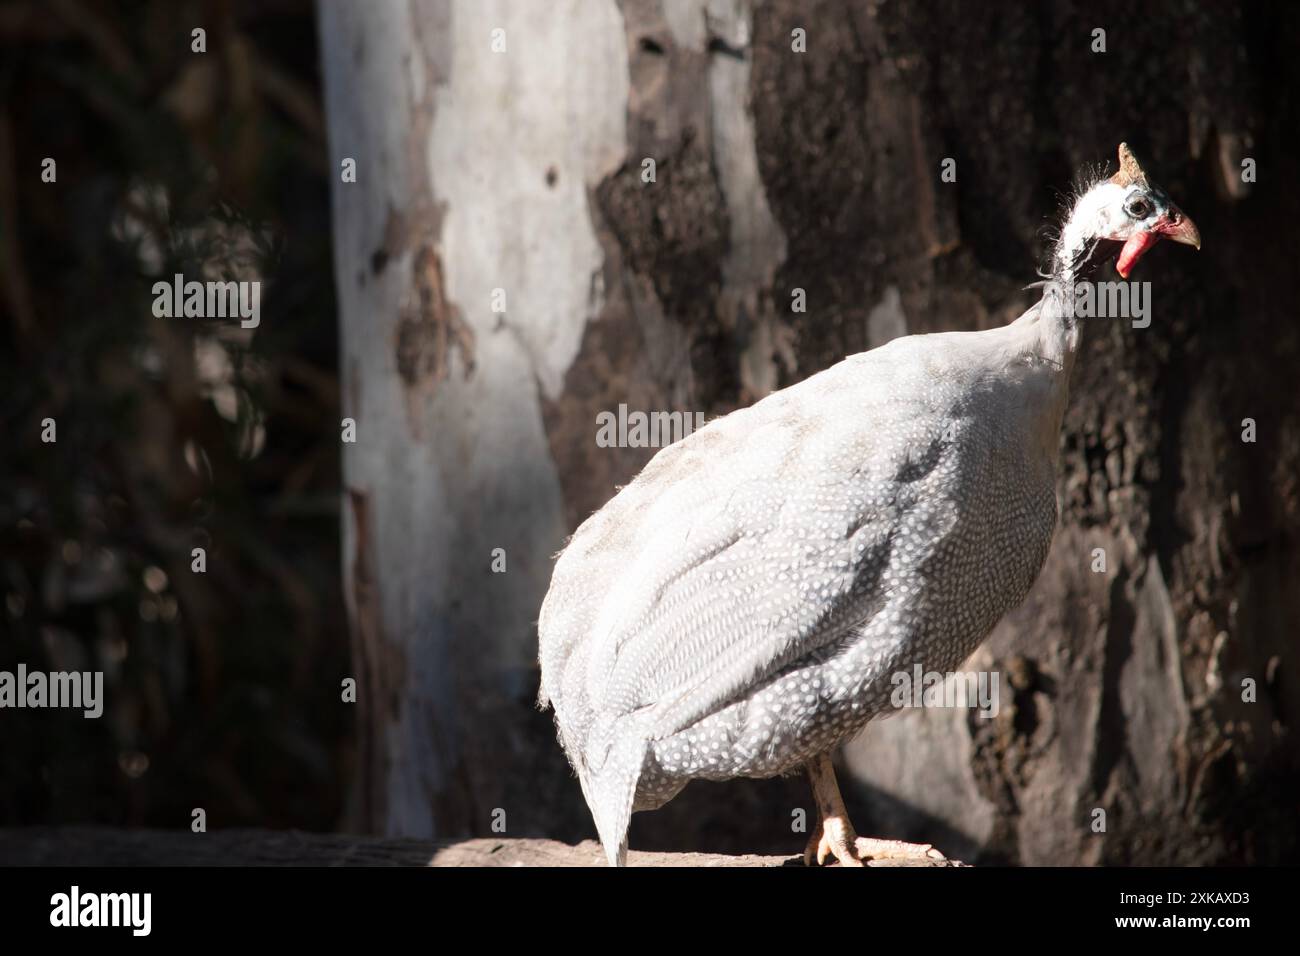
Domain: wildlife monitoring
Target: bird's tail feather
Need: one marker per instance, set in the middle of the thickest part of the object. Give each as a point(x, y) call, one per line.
point(611, 790)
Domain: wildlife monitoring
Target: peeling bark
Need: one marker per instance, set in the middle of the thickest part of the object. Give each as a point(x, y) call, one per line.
point(474, 171)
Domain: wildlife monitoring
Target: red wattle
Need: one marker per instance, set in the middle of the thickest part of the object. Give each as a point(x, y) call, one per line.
point(1137, 244)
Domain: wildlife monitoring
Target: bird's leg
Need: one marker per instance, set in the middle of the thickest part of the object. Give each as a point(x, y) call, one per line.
point(834, 835)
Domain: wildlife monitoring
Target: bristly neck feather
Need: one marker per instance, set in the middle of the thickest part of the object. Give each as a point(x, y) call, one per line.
point(1080, 251)
point(1076, 256)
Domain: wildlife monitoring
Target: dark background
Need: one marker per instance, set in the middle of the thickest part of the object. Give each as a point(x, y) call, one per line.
point(228, 690)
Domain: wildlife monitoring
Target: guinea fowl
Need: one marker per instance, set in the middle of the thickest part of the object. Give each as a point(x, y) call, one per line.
point(739, 608)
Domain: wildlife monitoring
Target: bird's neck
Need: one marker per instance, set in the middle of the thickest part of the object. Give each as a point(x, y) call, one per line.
point(1058, 325)
point(1077, 257)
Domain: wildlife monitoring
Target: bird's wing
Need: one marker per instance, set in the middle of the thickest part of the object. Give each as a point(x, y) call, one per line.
point(748, 545)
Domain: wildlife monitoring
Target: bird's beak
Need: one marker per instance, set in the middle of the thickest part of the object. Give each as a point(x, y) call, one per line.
point(1175, 225)
point(1180, 228)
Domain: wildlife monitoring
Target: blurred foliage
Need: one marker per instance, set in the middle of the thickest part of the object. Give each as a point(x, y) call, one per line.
point(221, 689)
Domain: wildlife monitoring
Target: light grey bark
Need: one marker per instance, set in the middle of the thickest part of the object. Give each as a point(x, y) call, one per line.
point(473, 170)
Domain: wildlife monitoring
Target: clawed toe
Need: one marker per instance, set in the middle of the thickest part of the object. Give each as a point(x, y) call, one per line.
point(834, 838)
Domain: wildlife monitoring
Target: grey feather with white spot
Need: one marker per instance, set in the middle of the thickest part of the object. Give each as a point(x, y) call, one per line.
point(741, 605)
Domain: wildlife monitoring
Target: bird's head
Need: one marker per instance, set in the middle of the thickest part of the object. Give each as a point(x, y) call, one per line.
point(1126, 208)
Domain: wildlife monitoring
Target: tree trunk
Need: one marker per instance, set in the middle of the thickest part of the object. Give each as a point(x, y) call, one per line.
point(470, 194)
point(783, 177)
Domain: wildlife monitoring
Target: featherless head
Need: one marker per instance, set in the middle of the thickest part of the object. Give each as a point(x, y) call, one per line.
point(1127, 208)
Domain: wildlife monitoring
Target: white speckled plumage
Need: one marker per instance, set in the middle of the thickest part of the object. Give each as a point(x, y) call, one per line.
point(739, 607)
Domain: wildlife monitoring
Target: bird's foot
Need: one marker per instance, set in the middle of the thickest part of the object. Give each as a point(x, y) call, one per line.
point(836, 839)
point(834, 835)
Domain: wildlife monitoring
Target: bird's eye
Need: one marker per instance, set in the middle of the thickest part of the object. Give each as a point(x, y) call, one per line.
point(1138, 207)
